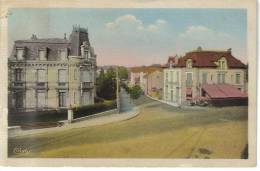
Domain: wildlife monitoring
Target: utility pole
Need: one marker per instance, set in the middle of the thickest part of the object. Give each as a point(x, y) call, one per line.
point(117, 91)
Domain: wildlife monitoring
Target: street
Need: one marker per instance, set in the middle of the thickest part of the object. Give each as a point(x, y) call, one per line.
point(159, 131)
point(125, 101)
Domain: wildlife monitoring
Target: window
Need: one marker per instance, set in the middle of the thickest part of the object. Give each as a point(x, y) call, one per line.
point(62, 75)
point(63, 55)
point(86, 54)
point(189, 79)
point(86, 76)
point(171, 76)
point(189, 63)
point(62, 99)
point(221, 78)
point(42, 55)
point(20, 53)
point(166, 92)
point(41, 99)
point(177, 94)
point(166, 76)
point(19, 99)
point(74, 97)
point(204, 78)
point(211, 77)
point(177, 76)
point(18, 74)
point(41, 75)
point(86, 97)
point(171, 95)
point(222, 63)
point(237, 78)
point(75, 74)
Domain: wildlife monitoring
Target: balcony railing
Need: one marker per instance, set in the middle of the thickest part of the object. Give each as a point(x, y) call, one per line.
point(87, 85)
point(62, 83)
point(189, 83)
point(18, 84)
point(41, 85)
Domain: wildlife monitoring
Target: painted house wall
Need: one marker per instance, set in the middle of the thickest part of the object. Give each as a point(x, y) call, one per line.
point(155, 83)
point(171, 83)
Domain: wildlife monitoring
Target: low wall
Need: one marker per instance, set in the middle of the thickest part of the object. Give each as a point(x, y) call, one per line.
point(95, 115)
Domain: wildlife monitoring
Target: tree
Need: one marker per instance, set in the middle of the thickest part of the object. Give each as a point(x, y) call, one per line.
point(106, 84)
point(135, 92)
point(122, 72)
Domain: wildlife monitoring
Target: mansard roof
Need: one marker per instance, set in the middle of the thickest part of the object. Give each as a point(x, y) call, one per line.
point(54, 45)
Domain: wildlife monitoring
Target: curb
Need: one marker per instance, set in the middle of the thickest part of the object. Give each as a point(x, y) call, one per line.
point(162, 101)
point(87, 122)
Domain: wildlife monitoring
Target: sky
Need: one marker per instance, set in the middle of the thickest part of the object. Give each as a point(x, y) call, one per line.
point(134, 37)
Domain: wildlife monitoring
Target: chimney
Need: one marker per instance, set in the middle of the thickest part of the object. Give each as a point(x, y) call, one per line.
point(229, 50)
point(34, 37)
point(65, 38)
point(199, 48)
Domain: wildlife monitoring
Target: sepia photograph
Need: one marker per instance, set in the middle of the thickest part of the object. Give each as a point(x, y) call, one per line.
point(129, 83)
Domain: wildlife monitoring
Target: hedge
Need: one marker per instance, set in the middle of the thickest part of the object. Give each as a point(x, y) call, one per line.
point(93, 109)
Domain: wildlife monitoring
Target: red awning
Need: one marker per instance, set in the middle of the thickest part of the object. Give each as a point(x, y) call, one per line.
point(223, 91)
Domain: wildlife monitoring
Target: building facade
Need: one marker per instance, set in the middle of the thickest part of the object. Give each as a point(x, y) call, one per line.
point(184, 80)
point(149, 78)
point(154, 83)
point(52, 73)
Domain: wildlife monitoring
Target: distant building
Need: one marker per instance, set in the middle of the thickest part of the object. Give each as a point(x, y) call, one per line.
point(149, 78)
point(154, 83)
point(184, 80)
point(52, 73)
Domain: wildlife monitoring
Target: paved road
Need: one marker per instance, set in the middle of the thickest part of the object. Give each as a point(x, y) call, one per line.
point(125, 101)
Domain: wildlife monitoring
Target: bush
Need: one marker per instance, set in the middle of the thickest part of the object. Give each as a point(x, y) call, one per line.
point(93, 109)
point(135, 92)
point(126, 87)
point(98, 100)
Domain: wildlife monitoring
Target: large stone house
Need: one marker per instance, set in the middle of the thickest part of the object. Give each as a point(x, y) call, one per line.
point(185, 78)
point(52, 73)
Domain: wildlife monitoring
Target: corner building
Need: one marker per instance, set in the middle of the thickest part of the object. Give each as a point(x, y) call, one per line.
point(52, 73)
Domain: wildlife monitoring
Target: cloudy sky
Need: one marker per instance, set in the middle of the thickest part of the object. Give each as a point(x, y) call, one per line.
point(134, 37)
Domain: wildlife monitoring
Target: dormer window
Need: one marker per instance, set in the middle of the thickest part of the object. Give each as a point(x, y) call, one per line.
point(222, 63)
point(63, 54)
point(20, 53)
point(43, 54)
point(189, 63)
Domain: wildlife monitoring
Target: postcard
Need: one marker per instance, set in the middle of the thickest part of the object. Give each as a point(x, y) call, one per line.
point(133, 83)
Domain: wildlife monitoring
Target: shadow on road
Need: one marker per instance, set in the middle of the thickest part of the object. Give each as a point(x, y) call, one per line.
point(126, 103)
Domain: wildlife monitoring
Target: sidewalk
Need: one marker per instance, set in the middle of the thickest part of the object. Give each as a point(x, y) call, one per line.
point(163, 101)
point(102, 120)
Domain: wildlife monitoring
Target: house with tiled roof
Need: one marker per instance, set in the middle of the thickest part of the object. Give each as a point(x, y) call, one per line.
point(186, 80)
point(52, 73)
